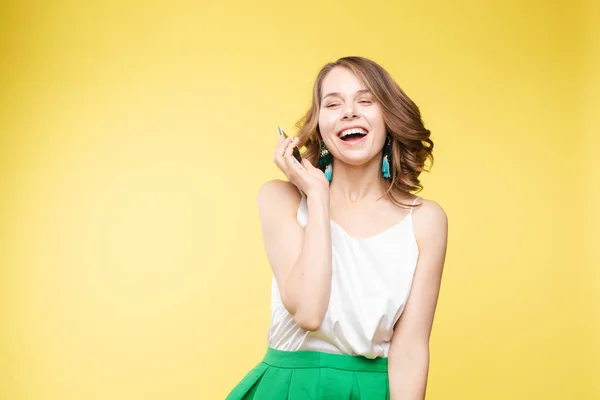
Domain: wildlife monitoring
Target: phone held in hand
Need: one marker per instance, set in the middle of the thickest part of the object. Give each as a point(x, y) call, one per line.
point(296, 152)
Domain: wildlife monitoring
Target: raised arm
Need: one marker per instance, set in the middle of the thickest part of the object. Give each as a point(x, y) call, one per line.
point(300, 257)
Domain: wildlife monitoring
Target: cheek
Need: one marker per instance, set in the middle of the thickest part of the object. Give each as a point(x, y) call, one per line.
point(327, 121)
point(374, 115)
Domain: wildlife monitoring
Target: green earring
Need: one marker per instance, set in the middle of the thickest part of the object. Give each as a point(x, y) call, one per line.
point(387, 157)
point(325, 161)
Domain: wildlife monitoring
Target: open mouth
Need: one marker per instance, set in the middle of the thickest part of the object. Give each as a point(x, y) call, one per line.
point(353, 134)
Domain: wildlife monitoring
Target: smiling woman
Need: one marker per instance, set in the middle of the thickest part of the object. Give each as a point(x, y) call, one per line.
point(357, 259)
point(360, 86)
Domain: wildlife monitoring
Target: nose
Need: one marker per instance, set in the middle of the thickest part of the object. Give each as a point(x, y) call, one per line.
point(349, 111)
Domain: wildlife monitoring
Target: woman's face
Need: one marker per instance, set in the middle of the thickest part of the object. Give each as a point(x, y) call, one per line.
point(350, 118)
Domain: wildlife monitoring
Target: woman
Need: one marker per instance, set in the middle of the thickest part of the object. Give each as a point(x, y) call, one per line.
point(357, 259)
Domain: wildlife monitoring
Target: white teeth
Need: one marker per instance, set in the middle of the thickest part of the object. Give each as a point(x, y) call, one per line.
point(353, 130)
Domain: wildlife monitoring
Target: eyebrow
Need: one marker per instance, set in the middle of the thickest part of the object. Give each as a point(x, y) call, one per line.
point(361, 91)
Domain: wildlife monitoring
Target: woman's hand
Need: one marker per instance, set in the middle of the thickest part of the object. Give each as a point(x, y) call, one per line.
point(305, 176)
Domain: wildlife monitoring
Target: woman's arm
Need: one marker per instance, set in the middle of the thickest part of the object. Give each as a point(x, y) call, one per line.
point(408, 363)
point(300, 258)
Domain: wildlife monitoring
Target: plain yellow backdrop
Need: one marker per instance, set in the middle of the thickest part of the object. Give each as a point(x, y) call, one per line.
point(135, 136)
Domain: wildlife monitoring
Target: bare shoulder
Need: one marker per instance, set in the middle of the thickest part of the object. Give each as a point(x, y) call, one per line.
point(278, 203)
point(430, 223)
point(277, 195)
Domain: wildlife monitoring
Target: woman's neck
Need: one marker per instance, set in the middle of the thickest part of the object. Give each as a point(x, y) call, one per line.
point(353, 184)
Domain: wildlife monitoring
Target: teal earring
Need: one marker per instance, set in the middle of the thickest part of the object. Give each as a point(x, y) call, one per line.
point(325, 161)
point(387, 157)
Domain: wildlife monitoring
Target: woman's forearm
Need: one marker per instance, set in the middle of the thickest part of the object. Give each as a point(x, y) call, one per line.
point(309, 283)
point(407, 371)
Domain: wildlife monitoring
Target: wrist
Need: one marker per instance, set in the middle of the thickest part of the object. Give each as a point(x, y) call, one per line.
point(321, 194)
point(318, 200)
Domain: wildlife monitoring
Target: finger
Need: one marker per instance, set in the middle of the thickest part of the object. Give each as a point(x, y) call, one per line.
point(290, 148)
point(288, 155)
point(293, 167)
point(280, 148)
point(280, 140)
point(307, 164)
point(302, 167)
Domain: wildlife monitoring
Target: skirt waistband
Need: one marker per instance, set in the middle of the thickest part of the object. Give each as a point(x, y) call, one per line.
point(316, 359)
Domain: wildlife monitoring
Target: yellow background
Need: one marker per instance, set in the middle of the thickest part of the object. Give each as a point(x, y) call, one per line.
point(135, 135)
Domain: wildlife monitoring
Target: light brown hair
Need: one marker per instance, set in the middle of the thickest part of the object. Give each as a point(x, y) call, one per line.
point(411, 143)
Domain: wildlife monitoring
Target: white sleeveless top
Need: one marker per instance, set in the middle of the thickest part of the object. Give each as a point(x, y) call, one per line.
point(370, 284)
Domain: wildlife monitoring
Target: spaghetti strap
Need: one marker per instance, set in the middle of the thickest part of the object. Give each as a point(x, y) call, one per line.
point(414, 202)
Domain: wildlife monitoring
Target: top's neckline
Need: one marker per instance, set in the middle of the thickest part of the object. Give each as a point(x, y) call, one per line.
point(376, 235)
point(407, 217)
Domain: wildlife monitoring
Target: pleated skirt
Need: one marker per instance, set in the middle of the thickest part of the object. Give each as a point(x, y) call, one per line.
point(312, 375)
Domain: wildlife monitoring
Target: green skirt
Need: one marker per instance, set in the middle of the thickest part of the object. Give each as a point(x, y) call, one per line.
point(312, 375)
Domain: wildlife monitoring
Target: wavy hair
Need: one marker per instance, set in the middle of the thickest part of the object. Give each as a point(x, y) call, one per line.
point(411, 143)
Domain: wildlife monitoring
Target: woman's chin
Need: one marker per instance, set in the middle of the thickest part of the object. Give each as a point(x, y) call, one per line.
point(356, 159)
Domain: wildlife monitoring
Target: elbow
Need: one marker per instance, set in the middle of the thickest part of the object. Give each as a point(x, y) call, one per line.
point(307, 316)
point(309, 324)
point(309, 321)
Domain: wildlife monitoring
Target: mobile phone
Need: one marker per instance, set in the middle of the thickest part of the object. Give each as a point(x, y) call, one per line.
point(296, 152)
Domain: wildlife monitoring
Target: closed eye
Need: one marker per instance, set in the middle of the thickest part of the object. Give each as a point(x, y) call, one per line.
point(332, 105)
